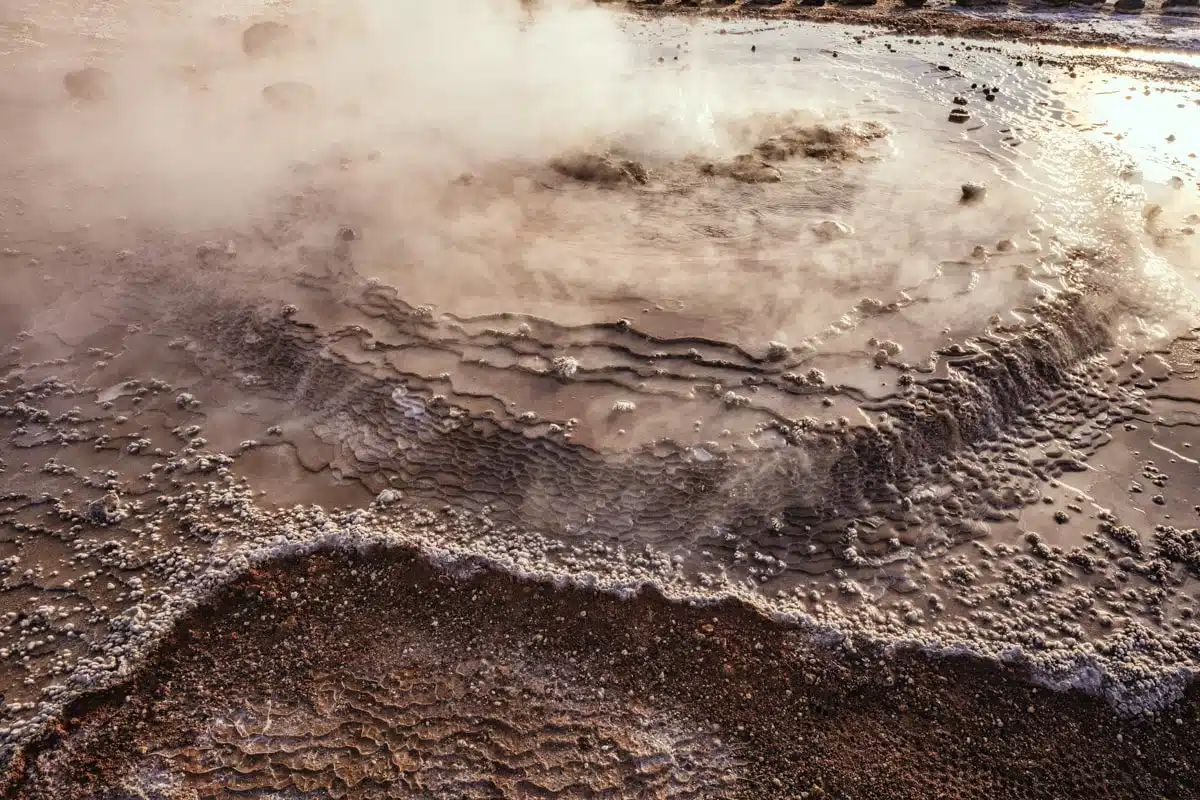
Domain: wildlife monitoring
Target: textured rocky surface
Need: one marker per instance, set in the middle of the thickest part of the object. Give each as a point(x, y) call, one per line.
point(295, 506)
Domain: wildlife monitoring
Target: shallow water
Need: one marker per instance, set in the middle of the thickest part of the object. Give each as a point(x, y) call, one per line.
point(683, 382)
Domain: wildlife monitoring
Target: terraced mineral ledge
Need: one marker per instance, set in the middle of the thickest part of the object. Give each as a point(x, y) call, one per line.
point(792, 412)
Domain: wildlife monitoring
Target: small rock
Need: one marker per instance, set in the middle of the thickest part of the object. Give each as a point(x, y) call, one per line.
point(289, 95)
point(564, 367)
point(973, 192)
point(832, 229)
point(959, 115)
point(604, 170)
point(388, 497)
point(1130, 6)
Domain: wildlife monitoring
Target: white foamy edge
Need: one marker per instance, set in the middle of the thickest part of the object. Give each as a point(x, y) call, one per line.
point(134, 635)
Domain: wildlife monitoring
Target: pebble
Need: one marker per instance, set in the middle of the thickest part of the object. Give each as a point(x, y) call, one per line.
point(973, 192)
point(832, 229)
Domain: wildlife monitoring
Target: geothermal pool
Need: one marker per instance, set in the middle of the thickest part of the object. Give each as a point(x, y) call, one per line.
point(344, 379)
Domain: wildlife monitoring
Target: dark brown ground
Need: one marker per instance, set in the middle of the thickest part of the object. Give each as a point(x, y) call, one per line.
point(793, 717)
point(937, 18)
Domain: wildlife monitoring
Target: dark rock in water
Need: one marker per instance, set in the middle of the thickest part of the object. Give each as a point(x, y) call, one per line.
point(821, 142)
point(959, 115)
point(89, 83)
point(289, 95)
point(858, 2)
point(970, 3)
point(1181, 3)
point(973, 192)
point(914, 3)
point(1130, 6)
point(266, 38)
point(812, 3)
point(745, 168)
point(600, 169)
point(960, 101)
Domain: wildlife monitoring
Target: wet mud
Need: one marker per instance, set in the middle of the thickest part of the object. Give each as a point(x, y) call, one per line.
point(698, 469)
point(1081, 23)
point(379, 675)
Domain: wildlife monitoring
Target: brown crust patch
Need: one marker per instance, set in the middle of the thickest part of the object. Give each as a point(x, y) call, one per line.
point(782, 715)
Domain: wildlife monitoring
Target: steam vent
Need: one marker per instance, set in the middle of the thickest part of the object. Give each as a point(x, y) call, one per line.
point(599, 400)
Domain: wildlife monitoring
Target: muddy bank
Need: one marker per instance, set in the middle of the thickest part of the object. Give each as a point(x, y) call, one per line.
point(381, 676)
point(767, 361)
point(1032, 23)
